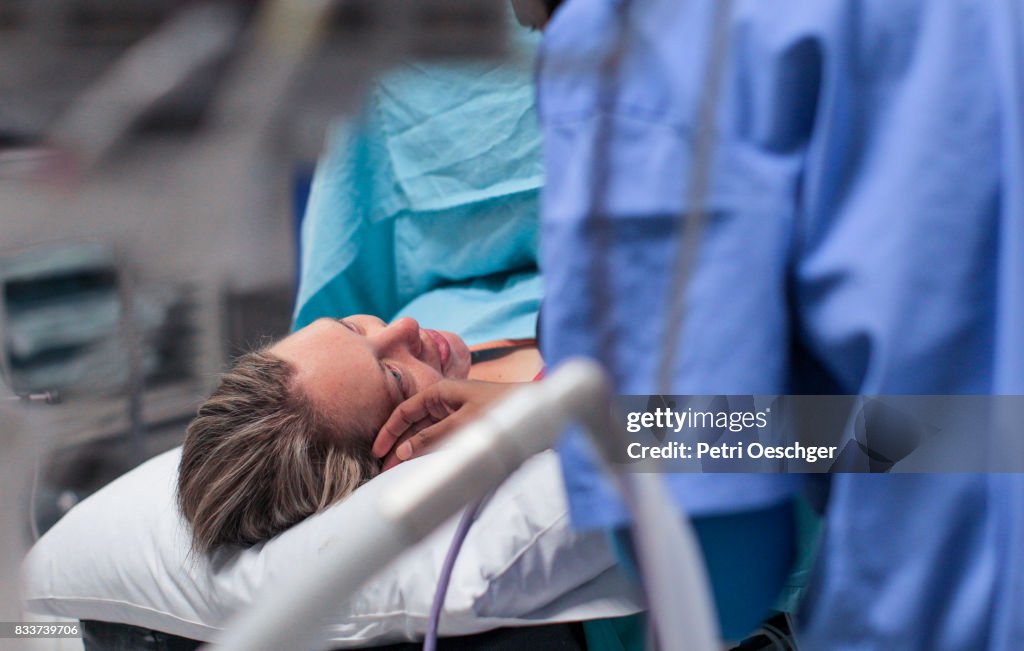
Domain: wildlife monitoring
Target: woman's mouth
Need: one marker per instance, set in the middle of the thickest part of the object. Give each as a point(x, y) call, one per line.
point(444, 351)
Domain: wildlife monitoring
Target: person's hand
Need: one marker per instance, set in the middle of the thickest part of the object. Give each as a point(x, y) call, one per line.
point(431, 415)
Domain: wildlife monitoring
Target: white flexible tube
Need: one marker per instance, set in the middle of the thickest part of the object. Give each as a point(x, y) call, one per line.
point(674, 575)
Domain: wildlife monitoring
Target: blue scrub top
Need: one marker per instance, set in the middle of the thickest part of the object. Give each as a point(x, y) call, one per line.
point(865, 234)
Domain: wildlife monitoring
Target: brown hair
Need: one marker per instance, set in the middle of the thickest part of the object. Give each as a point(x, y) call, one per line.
point(259, 457)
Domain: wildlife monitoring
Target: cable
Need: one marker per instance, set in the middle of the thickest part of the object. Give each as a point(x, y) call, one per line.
point(461, 531)
point(639, 489)
point(651, 548)
point(791, 625)
point(694, 217)
point(599, 222)
point(773, 632)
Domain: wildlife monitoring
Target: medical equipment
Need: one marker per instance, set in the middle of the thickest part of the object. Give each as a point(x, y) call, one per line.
point(461, 531)
point(481, 455)
point(693, 222)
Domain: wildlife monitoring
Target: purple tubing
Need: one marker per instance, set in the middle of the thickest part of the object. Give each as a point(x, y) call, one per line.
point(430, 641)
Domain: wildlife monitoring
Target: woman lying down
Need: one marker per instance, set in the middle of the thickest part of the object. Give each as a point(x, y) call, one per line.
point(293, 428)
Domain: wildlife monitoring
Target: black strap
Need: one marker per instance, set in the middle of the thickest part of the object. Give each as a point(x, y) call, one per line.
point(488, 354)
point(105, 636)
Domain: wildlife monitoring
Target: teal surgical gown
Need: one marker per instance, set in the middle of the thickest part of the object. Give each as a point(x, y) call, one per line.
point(407, 200)
point(864, 235)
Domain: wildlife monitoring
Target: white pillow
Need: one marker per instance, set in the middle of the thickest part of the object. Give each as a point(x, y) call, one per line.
point(122, 556)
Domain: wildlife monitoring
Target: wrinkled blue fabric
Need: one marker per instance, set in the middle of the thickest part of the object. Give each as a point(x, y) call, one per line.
point(436, 184)
point(484, 310)
point(865, 234)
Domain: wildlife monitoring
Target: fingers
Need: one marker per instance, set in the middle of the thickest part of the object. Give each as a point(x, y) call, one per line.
point(407, 418)
point(415, 444)
point(421, 410)
point(431, 414)
point(391, 459)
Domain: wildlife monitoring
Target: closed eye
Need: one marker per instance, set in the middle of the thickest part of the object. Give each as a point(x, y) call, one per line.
point(399, 381)
point(351, 326)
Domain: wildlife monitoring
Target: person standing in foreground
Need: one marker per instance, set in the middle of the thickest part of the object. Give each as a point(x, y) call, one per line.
point(864, 235)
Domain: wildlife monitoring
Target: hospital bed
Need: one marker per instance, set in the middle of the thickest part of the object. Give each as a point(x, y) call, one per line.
point(122, 558)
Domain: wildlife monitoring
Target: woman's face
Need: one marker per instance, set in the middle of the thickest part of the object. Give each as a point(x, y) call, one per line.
point(358, 369)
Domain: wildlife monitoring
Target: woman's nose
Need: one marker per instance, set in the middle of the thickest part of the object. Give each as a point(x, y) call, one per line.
point(404, 333)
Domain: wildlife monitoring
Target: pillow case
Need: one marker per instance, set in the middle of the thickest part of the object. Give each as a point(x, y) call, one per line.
point(122, 555)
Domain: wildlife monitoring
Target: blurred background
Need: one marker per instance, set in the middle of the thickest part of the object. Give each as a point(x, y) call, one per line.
point(155, 158)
